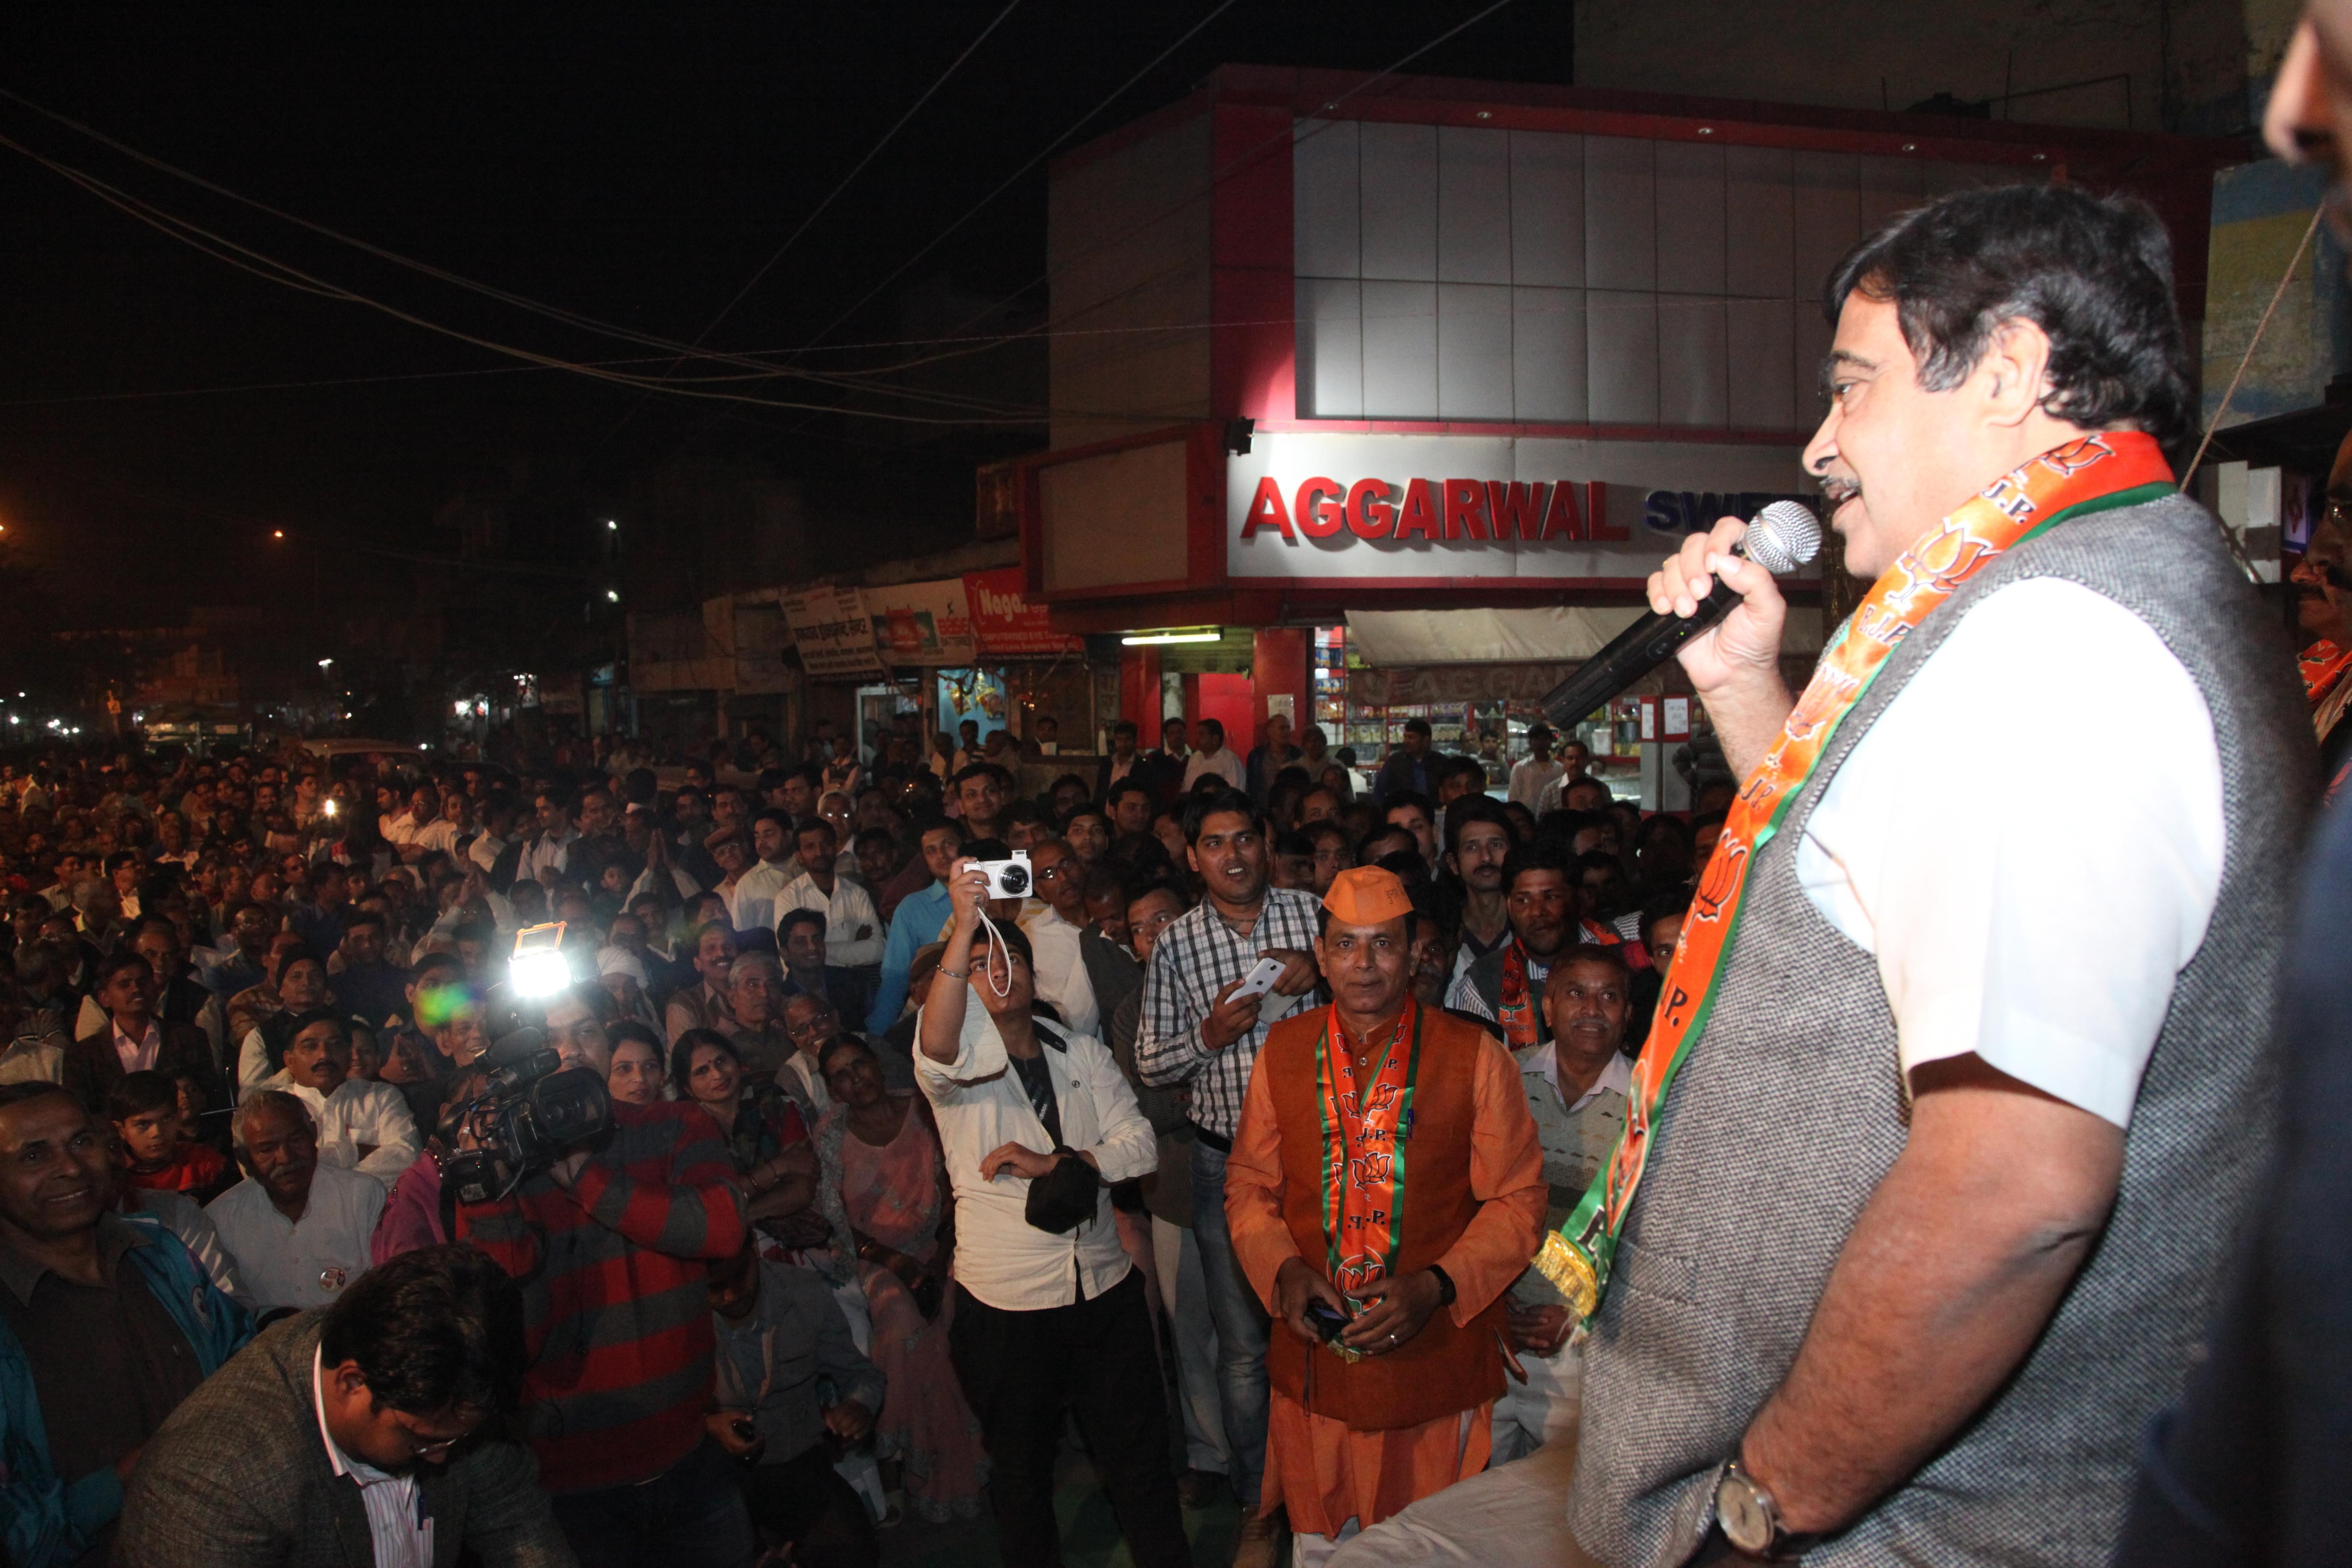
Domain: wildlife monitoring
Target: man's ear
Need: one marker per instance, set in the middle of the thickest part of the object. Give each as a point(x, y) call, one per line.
point(2014, 371)
point(1322, 964)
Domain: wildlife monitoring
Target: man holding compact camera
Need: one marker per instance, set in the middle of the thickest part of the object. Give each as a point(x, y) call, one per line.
point(611, 1242)
point(1049, 1315)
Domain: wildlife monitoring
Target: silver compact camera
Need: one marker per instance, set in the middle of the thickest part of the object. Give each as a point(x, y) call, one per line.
point(1007, 878)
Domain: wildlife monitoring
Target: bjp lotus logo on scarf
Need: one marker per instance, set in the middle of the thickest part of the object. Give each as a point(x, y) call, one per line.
point(1721, 881)
point(1939, 563)
point(1368, 1170)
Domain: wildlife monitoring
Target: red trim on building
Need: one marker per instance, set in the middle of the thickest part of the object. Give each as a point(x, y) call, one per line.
point(1695, 434)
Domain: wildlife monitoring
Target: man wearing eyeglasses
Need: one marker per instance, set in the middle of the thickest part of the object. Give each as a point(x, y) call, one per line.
point(355, 1436)
point(1055, 920)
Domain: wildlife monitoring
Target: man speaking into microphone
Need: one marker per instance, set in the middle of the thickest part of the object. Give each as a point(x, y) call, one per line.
point(1959, 1085)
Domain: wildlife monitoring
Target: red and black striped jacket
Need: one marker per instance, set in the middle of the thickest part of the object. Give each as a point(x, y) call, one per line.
point(613, 1274)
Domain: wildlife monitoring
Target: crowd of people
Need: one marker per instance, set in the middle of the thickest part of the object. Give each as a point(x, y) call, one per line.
point(793, 1294)
point(894, 1112)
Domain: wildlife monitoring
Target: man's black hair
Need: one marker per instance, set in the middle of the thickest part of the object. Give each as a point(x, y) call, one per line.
point(1326, 827)
point(1416, 726)
point(1130, 784)
point(1664, 907)
point(777, 814)
point(794, 918)
point(866, 836)
point(1226, 800)
point(1593, 953)
point(1290, 841)
point(301, 1021)
point(983, 770)
point(363, 916)
point(1476, 808)
point(1543, 854)
point(1397, 799)
point(815, 824)
point(115, 964)
point(2095, 273)
point(433, 1329)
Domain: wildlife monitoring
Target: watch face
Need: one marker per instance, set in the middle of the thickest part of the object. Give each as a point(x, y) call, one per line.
point(1746, 1523)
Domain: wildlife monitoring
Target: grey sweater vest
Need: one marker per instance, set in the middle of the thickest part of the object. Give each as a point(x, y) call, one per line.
point(1788, 1112)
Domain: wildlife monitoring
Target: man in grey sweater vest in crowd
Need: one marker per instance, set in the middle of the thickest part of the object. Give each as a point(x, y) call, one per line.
point(1967, 1114)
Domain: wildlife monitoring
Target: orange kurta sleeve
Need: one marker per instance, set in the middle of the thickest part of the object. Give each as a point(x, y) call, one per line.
point(1262, 1240)
point(1506, 1177)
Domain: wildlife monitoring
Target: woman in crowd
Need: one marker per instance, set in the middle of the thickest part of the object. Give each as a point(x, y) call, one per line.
point(636, 1076)
point(775, 1169)
point(885, 1190)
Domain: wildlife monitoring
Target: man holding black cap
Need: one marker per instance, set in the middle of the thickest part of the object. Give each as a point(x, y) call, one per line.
point(1049, 1314)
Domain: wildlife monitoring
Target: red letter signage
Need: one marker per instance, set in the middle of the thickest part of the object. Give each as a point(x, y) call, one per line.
point(1266, 511)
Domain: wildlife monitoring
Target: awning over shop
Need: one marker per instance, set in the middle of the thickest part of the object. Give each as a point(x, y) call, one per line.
point(1389, 639)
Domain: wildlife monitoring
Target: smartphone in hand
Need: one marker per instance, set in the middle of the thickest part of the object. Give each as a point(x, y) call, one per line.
point(1260, 981)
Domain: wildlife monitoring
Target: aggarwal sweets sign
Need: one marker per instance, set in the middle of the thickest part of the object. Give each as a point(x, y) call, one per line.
point(1398, 510)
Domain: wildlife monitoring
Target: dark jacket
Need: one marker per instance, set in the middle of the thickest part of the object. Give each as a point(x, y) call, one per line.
point(239, 1477)
point(92, 1068)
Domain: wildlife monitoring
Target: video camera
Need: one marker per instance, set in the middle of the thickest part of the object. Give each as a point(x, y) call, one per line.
point(527, 1116)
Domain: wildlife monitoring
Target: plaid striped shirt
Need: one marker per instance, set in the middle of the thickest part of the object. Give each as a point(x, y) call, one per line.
point(1196, 957)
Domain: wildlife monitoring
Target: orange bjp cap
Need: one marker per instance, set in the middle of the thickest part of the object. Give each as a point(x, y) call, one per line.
point(1367, 896)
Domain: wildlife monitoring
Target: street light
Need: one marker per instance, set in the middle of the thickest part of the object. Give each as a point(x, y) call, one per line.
point(612, 526)
point(612, 595)
point(325, 662)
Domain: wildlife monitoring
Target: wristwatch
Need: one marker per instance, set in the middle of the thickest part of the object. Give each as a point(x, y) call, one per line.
point(1444, 1286)
point(1751, 1520)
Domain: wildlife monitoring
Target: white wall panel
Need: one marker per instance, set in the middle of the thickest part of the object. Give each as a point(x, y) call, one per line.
point(1326, 204)
point(1691, 361)
point(1547, 355)
point(1473, 352)
point(1398, 173)
point(1400, 351)
point(1331, 338)
point(1546, 209)
point(1888, 186)
point(1621, 355)
point(1690, 218)
point(1620, 214)
point(1825, 194)
point(1759, 355)
point(1473, 205)
point(1758, 223)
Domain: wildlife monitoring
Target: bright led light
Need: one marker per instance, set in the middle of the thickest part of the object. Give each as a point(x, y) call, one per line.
point(611, 526)
point(539, 967)
point(332, 806)
point(612, 595)
point(1153, 639)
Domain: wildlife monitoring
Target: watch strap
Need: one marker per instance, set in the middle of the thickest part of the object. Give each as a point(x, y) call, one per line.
point(1445, 1291)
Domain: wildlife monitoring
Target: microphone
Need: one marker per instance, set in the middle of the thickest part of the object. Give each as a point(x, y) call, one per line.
point(1783, 537)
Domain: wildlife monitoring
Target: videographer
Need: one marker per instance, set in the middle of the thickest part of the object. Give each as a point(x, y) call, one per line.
point(611, 1244)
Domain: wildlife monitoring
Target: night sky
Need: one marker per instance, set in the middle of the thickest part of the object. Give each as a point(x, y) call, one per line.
point(635, 164)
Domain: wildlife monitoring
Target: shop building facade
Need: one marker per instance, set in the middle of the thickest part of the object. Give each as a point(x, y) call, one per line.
point(1417, 383)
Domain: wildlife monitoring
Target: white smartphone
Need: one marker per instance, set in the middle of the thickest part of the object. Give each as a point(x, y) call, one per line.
point(1260, 981)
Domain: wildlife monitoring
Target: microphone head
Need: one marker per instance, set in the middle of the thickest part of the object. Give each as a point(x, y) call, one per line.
point(1783, 537)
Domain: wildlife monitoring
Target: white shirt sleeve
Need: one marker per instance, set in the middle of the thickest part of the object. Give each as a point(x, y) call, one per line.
point(2030, 841)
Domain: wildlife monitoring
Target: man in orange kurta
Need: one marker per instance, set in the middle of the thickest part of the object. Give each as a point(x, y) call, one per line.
point(1387, 1171)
